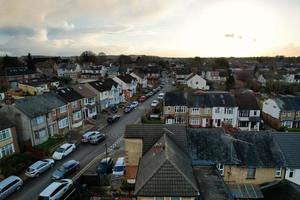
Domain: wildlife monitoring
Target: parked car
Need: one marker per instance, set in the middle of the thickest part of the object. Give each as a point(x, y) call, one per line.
point(10, 185)
point(113, 109)
point(161, 96)
point(119, 168)
point(154, 103)
point(66, 169)
point(63, 151)
point(86, 137)
point(39, 167)
point(56, 190)
point(105, 166)
point(134, 104)
point(150, 94)
point(113, 118)
point(127, 109)
point(142, 98)
point(96, 139)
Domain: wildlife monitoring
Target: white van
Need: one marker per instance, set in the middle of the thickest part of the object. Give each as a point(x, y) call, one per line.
point(119, 168)
point(161, 96)
point(9, 185)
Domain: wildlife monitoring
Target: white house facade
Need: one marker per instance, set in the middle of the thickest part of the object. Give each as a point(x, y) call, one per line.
point(197, 82)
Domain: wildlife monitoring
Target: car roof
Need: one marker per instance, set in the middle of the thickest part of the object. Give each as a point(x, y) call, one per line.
point(65, 145)
point(48, 190)
point(90, 133)
point(104, 160)
point(8, 180)
point(36, 164)
point(68, 163)
point(120, 161)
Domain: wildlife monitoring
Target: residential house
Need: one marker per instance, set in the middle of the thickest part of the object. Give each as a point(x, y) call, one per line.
point(199, 110)
point(93, 71)
point(283, 111)
point(34, 87)
point(195, 81)
point(71, 70)
point(108, 91)
point(290, 147)
point(128, 84)
point(13, 75)
point(181, 75)
point(292, 78)
point(244, 160)
point(141, 79)
point(175, 108)
point(249, 112)
point(75, 105)
point(38, 117)
point(112, 70)
point(89, 101)
point(215, 76)
point(8, 137)
point(158, 162)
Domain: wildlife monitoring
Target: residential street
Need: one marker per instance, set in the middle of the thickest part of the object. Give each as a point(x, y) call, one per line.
point(85, 153)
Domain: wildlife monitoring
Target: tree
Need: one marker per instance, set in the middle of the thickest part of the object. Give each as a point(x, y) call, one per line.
point(4, 88)
point(101, 58)
point(30, 63)
point(230, 82)
point(87, 56)
point(221, 63)
point(123, 59)
point(8, 61)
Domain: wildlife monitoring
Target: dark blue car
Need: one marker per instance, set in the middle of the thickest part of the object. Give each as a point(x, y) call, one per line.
point(66, 169)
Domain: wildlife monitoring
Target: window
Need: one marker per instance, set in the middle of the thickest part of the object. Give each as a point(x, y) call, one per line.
point(195, 110)
point(7, 150)
point(217, 110)
point(244, 113)
point(63, 109)
point(5, 134)
point(243, 124)
point(179, 109)
point(220, 167)
point(179, 120)
point(74, 104)
point(228, 111)
point(228, 121)
point(255, 113)
point(175, 198)
point(40, 120)
point(291, 174)
point(77, 115)
point(63, 123)
point(251, 173)
point(206, 110)
point(278, 172)
point(195, 121)
point(289, 114)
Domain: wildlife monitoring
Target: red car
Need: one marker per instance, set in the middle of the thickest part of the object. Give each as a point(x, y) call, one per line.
point(142, 98)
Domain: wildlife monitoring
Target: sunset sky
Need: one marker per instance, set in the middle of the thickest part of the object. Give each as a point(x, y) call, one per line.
point(154, 27)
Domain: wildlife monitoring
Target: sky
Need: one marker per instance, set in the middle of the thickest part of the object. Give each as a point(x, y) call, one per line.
point(177, 28)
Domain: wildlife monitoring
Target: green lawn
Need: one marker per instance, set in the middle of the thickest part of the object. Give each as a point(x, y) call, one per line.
point(51, 142)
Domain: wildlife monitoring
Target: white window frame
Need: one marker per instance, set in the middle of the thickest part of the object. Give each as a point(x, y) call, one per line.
point(195, 111)
point(291, 172)
point(74, 104)
point(278, 172)
point(40, 120)
point(221, 168)
point(195, 121)
point(9, 147)
point(179, 109)
point(63, 123)
point(5, 134)
point(77, 115)
point(63, 109)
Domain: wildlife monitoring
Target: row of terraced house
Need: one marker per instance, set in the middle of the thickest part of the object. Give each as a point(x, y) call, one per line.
point(212, 109)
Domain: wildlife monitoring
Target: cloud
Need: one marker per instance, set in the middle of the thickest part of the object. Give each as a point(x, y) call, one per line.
point(229, 35)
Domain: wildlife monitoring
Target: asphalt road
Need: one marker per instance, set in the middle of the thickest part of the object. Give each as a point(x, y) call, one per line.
point(85, 153)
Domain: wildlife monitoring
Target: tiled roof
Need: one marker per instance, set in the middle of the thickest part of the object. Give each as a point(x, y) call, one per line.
point(175, 99)
point(39, 105)
point(284, 190)
point(103, 85)
point(150, 133)
point(211, 184)
point(165, 170)
point(5, 122)
point(126, 78)
point(245, 191)
point(198, 100)
point(247, 102)
point(84, 91)
point(221, 99)
point(288, 102)
point(69, 94)
point(290, 147)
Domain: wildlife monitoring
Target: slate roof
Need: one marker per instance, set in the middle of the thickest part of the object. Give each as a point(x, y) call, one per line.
point(5, 122)
point(288, 102)
point(211, 184)
point(126, 78)
point(245, 191)
point(290, 147)
point(221, 99)
point(198, 100)
point(150, 133)
point(284, 190)
point(247, 101)
point(14, 71)
point(39, 105)
point(175, 99)
point(255, 149)
point(166, 170)
point(104, 84)
point(83, 91)
point(69, 94)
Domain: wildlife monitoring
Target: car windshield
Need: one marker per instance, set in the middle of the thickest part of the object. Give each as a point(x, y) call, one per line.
point(119, 168)
point(60, 150)
point(61, 169)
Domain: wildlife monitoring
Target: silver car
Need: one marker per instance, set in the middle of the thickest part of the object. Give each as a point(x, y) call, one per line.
point(39, 167)
point(9, 186)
